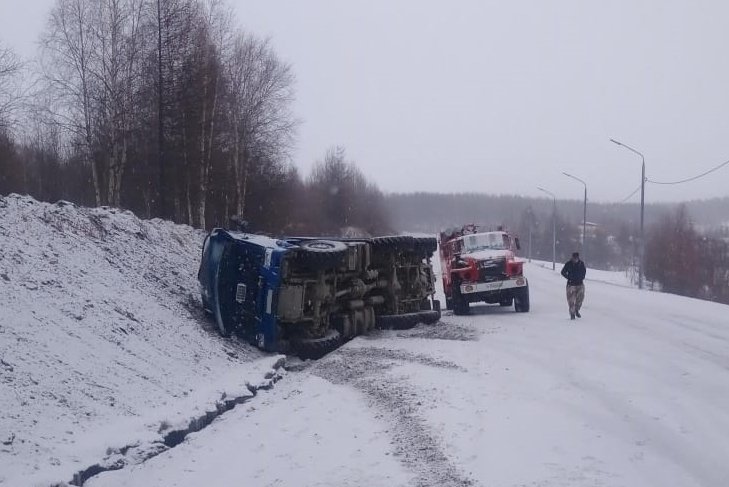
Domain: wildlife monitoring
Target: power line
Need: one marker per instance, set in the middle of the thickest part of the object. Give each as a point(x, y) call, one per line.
point(631, 194)
point(694, 178)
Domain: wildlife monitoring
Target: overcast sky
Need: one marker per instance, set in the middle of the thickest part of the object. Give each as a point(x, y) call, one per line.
point(498, 96)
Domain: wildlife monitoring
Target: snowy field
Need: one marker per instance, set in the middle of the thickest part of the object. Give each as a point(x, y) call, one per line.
point(103, 348)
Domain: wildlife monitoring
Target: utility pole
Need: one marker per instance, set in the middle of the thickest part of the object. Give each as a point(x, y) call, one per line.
point(641, 250)
point(554, 226)
point(584, 212)
point(530, 240)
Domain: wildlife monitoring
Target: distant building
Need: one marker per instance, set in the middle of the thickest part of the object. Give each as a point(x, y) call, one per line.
point(590, 229)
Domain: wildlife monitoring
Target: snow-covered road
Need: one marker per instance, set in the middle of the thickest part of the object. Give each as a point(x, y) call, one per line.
point(636, 393)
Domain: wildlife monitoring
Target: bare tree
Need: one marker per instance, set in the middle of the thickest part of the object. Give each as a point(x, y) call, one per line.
point(672, 254)
point(260, 93)
point(163, 107)
point(176, 25)
point(92, 51)
point(10, 66)
point(214, 39)
point(69, 45)
point(116, 69)
point(343, 197)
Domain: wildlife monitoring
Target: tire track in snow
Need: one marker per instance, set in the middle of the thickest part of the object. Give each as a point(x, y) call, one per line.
point(415, 445)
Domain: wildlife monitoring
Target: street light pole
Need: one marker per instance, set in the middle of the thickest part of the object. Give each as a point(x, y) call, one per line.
point(584, 212)
point(642, 211)
point(531, 224)
point(554, 226)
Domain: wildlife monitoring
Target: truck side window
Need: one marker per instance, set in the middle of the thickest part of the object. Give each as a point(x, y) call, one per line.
point(456, 247)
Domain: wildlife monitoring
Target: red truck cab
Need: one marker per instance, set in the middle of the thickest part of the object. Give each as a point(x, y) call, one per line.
point(481, 266)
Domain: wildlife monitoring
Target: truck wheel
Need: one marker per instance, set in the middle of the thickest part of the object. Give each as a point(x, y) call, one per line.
point(397, 322)
point(430, 317)
point(426, 245)
point(460, 306)
point(449, 304)
point(315, 348)
point(521, 300)
point(321, 254)
point(395, 242)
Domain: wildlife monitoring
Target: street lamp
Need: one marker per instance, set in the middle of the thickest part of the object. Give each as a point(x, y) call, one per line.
point(584, 212)
point(554, 226)
point(642, 212)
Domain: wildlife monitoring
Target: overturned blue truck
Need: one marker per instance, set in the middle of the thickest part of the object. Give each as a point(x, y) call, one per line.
point(307, 295)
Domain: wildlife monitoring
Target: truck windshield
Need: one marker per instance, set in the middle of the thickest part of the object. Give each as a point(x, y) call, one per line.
point(484, 241)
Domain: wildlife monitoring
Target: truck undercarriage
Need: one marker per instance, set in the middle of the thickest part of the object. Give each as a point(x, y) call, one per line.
point(308, 295)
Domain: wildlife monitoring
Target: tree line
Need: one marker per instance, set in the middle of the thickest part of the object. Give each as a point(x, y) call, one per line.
point(167, 108)
point(682, 260)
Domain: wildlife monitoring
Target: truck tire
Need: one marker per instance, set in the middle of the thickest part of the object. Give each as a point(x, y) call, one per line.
point(321, 254)
point(506, 302)
point(521, 300)
point(449, 304)
point(395, 242)
point(316, 348)
point(397, 322)
point(425, 245)
point(430, 317)
point(460, 305)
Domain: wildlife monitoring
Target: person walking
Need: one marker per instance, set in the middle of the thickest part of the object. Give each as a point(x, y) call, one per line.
point(574, 271)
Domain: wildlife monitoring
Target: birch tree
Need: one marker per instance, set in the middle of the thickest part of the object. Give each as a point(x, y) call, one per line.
point(116, 69)
point(69, 45)
point(260, 94)
point(10, 67)
point(214, 40)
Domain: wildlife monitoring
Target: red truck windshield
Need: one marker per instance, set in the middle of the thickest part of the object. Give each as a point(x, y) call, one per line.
point(484, 241)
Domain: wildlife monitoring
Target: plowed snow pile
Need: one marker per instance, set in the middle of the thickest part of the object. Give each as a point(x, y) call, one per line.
point(102, 344)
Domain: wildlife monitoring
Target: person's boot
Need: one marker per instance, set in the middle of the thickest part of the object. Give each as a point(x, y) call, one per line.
point(577, 313)
point(572, 316)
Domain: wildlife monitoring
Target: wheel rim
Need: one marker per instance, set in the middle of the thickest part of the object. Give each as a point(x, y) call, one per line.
point(320, 246)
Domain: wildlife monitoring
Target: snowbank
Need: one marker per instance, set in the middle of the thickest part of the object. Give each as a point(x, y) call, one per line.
point(102, 342)
point(617, 278)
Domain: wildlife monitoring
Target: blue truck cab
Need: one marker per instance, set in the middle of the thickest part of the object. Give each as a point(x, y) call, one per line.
point(239, 280)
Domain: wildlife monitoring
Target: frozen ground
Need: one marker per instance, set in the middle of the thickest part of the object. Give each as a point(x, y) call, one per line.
point(636, 393)
point(102, 345)
point(104, 353)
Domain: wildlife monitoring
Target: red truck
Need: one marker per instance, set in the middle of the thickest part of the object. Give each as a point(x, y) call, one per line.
point(481, 266)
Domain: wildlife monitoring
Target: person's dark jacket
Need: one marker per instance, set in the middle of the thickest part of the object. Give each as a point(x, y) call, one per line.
point(574, 272)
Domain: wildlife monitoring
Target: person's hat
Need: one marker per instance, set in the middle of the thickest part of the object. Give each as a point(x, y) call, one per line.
point(575, 254)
